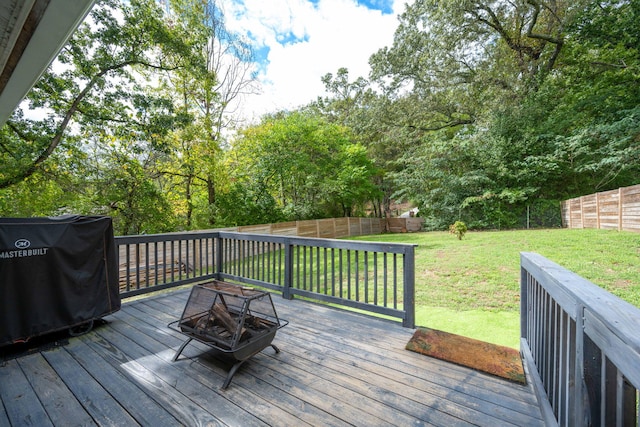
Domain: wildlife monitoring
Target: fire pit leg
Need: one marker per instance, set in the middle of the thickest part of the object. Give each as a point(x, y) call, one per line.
point(231, 373)
point(184, 344)
point(235, 368)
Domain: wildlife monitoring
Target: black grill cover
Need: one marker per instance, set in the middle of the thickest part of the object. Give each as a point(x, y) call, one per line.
point(55, 273)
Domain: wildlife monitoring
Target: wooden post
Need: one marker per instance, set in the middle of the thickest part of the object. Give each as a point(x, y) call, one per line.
point(620, 205)
point(598, 211)
point(408, 273)
point(524, 301)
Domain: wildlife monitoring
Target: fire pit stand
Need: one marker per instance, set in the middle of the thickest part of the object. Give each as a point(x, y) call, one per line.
point(236, 321)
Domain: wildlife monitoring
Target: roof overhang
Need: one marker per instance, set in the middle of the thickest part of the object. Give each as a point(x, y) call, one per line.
point(32, 33)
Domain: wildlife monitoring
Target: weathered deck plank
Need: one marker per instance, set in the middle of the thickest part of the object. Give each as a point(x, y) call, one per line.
point(19, 398)
point(335, 368)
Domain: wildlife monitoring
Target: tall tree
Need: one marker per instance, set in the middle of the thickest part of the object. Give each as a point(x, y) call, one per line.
point(94, 83)
point(356, 105)
point(211, 94)
point(518, 86)
point(312, 168)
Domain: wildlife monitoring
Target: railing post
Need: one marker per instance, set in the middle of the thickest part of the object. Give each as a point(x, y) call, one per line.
point(408, 273)
point(288, 269)
point(524, 302)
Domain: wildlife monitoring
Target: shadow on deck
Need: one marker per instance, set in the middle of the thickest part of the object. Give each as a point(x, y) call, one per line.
point(335, 368)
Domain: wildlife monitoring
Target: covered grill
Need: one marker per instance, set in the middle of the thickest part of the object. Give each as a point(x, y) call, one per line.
point(56, 273)
point(236, 321)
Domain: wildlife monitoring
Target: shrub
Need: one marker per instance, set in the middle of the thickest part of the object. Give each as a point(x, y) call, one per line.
point(458, 228)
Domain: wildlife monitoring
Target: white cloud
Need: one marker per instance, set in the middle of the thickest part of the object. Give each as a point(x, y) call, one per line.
point(307, 40)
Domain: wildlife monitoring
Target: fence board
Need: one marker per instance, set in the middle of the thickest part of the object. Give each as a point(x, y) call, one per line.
point(342, 227)
point(307, 228)
point(610, 210)
point(326, 228)
point(397, 225)
point(256, 229)
point(284, 228)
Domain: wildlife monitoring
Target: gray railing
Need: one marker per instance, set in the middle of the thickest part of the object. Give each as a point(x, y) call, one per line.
point(374, 277)
point(582, 347)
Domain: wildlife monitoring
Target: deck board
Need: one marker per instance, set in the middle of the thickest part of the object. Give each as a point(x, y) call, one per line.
point(335, 368)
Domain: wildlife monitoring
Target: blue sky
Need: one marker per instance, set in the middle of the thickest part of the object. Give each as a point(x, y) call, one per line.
point(296, 42)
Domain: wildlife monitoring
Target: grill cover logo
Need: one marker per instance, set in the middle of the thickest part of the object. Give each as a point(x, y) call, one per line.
point(22, 246)
point(22, 243)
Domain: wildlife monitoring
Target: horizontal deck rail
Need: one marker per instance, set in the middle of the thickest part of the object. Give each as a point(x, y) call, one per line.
point(370, 276)
point(582, 347)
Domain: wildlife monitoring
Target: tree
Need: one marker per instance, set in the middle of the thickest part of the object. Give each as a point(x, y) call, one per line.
point(93, 83)
point(211, 94)
point(312, 168)
point(125, 187)
point(509, 103)
point(356, 105)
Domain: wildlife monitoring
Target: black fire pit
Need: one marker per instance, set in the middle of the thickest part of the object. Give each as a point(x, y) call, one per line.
point(236, 321)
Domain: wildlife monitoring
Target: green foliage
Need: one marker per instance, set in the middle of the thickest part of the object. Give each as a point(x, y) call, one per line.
point(149, 156)
point(246, 205)
point(458, 228)
point(312, 168)
point(508, 105)
point(482, 110)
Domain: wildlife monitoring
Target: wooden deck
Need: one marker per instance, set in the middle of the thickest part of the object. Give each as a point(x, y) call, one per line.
point(334, 368)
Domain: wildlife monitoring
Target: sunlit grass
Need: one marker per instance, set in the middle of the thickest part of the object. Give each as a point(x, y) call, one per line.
point(472, 286)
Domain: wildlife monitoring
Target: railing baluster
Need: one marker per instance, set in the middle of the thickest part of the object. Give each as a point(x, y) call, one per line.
point(384, 272)
point(128, 267)
point(349, 291)
point(340, 270)
point(318, 270)
point(375, 278)
point(137, 265)
point(395, 280)
point(357, 284)
point(326, 272)
point(366, 276)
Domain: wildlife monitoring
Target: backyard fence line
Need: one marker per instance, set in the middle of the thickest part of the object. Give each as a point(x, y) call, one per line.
point(334, 228)
point(611, 210)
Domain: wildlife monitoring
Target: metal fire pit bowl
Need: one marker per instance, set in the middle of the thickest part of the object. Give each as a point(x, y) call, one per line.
point(236, 321)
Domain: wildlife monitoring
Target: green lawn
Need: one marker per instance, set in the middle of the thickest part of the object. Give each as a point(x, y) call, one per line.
point(472, 286)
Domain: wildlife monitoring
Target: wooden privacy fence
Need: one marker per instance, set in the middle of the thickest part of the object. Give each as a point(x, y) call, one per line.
point(615, 210)
point(581, 345)
point(335, 228)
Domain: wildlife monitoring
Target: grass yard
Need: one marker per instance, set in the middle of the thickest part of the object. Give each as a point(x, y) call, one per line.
point(471, 287)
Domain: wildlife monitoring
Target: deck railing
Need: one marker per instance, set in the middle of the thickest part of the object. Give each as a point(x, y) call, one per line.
point(374, 277)
point(582, 346)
